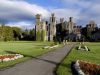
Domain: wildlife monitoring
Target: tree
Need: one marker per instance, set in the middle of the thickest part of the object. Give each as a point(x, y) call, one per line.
point(6, 33)
point(17, 32)
point(32, 34)
point(25, 34)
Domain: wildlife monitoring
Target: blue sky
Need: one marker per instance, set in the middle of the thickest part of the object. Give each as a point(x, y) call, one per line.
point(46, 3)
point(22, 12)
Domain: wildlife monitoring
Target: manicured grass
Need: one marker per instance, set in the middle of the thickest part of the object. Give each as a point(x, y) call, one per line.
point(92, 56)
point(27, 48)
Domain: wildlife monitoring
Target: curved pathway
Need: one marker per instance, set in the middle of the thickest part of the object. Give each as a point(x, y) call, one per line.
point(43, 65)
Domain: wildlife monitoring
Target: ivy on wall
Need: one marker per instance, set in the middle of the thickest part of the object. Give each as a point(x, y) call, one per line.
point(38, 35)
point(43, 35)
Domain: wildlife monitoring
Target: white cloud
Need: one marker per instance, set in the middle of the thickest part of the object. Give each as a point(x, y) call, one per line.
point(23, 25)
point(89, 10)
point(14, 10)
point(22, 12)
point(66, 13)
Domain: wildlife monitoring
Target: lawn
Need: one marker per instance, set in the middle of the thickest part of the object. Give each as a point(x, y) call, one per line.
point(92, 56)
point(27, 48)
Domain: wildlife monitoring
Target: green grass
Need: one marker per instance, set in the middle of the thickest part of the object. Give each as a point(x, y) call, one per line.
point(92, 56)
point(28, 48)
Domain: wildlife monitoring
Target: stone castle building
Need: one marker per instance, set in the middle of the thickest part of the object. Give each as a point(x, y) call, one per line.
point(91, 26)
point(41, 33)
point(49, 30)
point(52, 27)
point(70, 25)
point(45, 31)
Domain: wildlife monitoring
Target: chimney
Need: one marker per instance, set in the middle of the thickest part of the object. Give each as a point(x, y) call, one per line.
point(61, 20)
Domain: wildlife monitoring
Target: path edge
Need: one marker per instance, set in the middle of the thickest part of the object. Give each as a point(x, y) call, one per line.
point(57, 66)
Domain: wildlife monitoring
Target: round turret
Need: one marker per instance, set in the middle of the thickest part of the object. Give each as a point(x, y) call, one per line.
point(92, 23)
point(38, 16)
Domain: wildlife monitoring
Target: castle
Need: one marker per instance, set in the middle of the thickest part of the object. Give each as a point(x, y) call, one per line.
point(45, 31)
point(49, 30)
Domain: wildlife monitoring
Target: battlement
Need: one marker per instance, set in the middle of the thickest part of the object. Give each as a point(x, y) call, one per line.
point(52, 14)
point(61, 20)
point(38, 16)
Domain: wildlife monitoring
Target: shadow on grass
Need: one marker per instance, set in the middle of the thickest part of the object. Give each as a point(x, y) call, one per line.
point(26, 55)
point(47, 60)
point(38, 58)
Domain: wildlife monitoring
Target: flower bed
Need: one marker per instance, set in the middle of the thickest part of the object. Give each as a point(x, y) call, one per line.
point(9, 57)
point(85, 68)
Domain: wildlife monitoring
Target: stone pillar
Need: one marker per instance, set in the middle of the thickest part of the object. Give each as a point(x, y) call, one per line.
point(38, 27)
point(52, 27)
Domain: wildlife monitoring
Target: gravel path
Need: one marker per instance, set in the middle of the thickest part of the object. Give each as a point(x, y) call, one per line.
point(43, 65)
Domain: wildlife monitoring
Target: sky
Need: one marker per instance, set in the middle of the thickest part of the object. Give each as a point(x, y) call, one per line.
point(22, 13)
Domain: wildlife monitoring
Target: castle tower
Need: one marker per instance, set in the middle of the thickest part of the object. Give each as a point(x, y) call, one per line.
point(92, 24)
point(62, 23)
point(71, 25)
point(38, 19)
point(38, 27)
point(70, 19)
point(44, 32)
point(52, 27)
